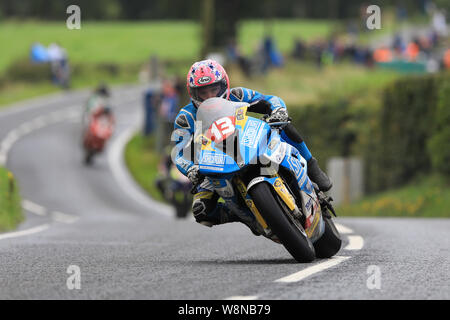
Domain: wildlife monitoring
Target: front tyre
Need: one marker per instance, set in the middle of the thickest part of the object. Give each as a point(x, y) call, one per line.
point(330, 242)
point(296, 242)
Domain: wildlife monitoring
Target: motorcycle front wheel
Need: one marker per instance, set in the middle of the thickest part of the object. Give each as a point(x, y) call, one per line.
point(293, 239)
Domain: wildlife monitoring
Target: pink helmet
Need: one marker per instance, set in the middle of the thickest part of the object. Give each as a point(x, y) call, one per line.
point(207, 73)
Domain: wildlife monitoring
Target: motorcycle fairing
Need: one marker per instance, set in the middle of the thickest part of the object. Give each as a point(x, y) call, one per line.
point(247, 136)
point(256, 140)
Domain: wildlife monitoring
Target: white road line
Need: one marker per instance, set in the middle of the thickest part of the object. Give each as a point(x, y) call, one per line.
point(25, 128)
point(343, 229)
point(312, 270)
point(22, 130)
point(125, 181)
point(39, 122)
point(242, 298)
point(63, 217)
point(31, 125)
point(354, 243)
point(34, 208)
point(24, 232)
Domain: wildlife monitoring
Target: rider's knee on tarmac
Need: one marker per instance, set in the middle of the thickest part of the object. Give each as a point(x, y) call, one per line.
point(201, 209)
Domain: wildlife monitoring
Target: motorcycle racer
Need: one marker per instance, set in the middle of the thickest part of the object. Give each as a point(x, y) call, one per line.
point(207, 79)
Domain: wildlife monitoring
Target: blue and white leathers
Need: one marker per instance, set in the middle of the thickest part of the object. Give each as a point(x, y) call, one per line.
point(257, 143)
point(184, 126)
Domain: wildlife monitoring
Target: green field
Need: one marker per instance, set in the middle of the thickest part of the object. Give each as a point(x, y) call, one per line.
point(130, 42)
point(284, 32)
point(10, 209)
point(123, 42)
point(126, 44)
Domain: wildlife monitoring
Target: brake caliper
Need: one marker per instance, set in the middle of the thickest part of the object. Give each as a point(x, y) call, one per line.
point(325, 203)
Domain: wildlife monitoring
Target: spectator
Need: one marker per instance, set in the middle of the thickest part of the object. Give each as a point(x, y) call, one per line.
point(446, 59)
point(59, 65)
point(39, 53)
point(167, 111)
point(439, 23)
point(234, 55)
point(412, 51)
point(299, 49)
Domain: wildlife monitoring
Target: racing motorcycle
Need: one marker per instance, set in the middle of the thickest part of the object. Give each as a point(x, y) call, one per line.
point(256, 173)
point(98, 131)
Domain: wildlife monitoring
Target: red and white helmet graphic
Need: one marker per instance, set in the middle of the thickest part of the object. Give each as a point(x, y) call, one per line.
point(205, 79)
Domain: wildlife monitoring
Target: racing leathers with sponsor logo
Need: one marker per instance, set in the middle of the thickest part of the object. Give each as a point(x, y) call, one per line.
point(206, 207)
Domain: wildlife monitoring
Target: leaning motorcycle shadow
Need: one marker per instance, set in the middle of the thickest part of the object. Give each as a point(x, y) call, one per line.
point(286, 260)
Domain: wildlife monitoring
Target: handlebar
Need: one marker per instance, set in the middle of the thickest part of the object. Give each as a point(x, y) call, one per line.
point(194, 187)
point(283, 123)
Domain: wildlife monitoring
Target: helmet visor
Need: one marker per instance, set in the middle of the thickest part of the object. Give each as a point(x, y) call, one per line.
point(210, 91)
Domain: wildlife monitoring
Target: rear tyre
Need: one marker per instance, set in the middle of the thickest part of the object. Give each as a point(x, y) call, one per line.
point(88, 158)
point(296, 242)
point(330, 242)
point(181, 211)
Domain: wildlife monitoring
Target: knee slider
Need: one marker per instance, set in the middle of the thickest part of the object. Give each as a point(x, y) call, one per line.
point(199, 209)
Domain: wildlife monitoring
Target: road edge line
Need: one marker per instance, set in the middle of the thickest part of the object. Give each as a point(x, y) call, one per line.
point(25, 232)
point(125, 180)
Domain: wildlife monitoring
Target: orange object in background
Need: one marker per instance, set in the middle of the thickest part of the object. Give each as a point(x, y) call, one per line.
point(447, 59)
point(412, 51)
point(382, 55)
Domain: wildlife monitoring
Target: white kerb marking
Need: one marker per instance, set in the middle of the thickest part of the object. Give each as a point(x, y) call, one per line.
point(312, 270)
point(34, 208)
point(354, 243)
point(63, 217)
point(343, 229)
point(242, 298)
point(24, 232)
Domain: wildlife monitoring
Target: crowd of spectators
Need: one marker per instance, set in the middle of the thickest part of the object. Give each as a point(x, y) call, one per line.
point(425, 47)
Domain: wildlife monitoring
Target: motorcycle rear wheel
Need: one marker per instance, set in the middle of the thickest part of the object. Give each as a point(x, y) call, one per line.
point(88, 158)
point(295, 241)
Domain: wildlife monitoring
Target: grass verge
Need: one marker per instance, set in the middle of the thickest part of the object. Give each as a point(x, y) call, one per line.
point(10, 209)
point(142, 162)
point(427, 197)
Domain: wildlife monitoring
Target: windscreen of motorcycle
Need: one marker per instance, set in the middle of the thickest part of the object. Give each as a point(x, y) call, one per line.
point(216, 119)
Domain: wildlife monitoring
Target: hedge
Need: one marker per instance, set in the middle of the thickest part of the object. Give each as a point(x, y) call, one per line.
point(400, 132)
point(439, 143)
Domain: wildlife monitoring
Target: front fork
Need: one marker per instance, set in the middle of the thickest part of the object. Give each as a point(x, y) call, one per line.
point(313, 223)
point(279, 188)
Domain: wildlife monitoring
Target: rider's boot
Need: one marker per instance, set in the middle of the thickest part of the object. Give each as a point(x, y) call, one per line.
point(256, 228)
point(209, 212)
point(318, 176)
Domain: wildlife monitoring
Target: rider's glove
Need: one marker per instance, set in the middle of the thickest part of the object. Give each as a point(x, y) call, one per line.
point(260, 106)
point(193, 174)
point(278, 115)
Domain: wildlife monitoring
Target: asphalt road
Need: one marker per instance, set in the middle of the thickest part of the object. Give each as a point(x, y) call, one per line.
point(125, 246)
